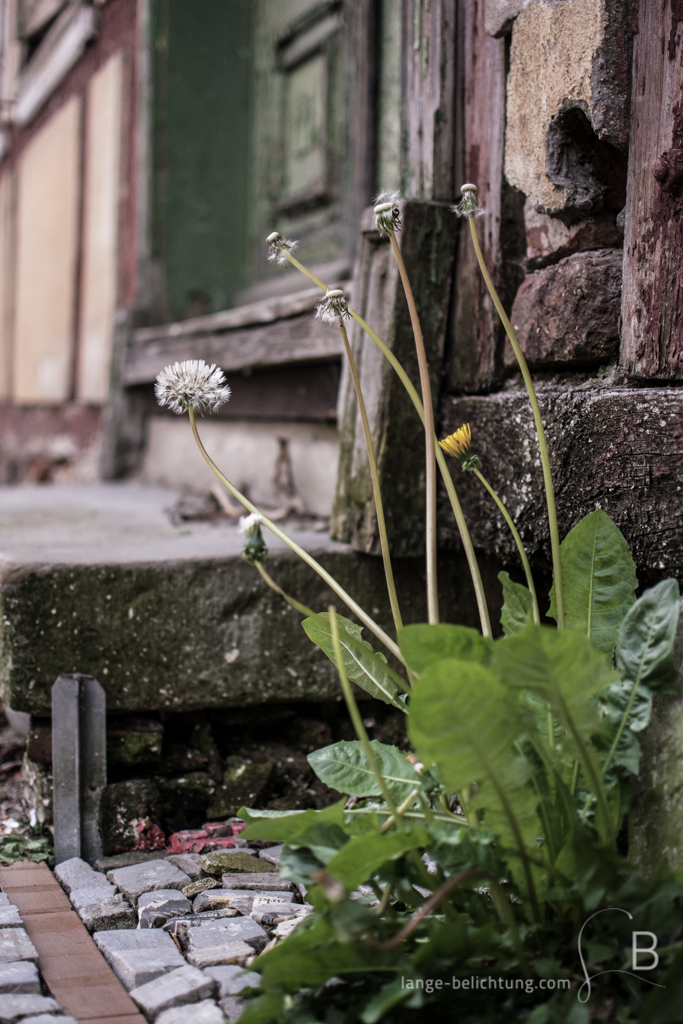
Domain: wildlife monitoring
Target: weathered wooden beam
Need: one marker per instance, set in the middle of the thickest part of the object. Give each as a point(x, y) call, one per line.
point(652, 312)
point(616, 448)
point(427, 242)
point(429, 93)
point(475, 338)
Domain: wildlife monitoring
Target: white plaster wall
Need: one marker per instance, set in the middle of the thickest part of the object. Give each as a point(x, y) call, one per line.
point(100, 236)
point(246, 451)
point(47, 238)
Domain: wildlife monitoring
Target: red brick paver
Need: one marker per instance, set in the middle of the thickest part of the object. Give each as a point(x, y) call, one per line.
point(78, 976)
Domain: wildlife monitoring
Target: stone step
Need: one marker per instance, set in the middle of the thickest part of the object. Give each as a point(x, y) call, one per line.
point(95, 579)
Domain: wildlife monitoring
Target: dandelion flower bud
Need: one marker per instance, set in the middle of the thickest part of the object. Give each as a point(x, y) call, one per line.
point(459, 445)
point(333, 307)
point(387, 212)
point(278, 247)
point(469, 205)
point(192, 385)
point(254, 548)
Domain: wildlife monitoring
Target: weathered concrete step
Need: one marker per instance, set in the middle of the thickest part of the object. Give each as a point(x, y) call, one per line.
point(95, 579)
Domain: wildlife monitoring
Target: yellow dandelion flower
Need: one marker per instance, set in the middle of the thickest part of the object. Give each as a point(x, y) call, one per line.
point(459, 443)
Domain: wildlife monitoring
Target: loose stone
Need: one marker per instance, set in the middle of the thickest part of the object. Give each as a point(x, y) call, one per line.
point(258, 880)
point(19, 978)
point(15, 1007)
point(137, 879)
point(233, 1007)
point(221, 942)
point(47, 1018)
point(272, 854)
point(205, 1012)
point(194, 888)
point(219, 861)
point(187, 862)
point(232, 979)
point(16, 945)
point(10, 918)
point(86, 897)
point(132, 938)
point(186, 985)
point(112, 913)
point(155, 908)
point(136, 967)
point(77, 874)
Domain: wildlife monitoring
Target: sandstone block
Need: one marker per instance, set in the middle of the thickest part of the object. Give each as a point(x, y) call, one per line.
point(19, 978)
point(113, 912)
point(155, 908)
point(550, 239)
point(205, 1012)
point(568, 315)
point(16, 945)
point(148, 877)
point(500, 15)
point(179, 988)
point(567, 106)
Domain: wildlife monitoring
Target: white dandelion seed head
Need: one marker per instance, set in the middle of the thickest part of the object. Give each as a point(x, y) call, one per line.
point(387, 211)
point(333, 307)
point(192, 384)
point(469, 205)
point(278, 247)
point(249, 523)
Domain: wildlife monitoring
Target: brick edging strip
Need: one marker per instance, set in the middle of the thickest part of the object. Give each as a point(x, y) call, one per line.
point(78, 976)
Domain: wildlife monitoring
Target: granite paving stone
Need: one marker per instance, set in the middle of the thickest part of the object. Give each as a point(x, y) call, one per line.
point(76, 873)
point(155, 908)
point(136, 967)
point(232, 979)
point(16, 945)
point(137, 879)
point(10, 917)
point(257, 880)
point(272, 854)
point(187, 862)
point(186, 985)
point(205, 1012)
point(232, 1008)
point(236, 952)
point(14, 1007)
point(132, 938)
point(89, 895)
point(20, 977)
point(113, 912)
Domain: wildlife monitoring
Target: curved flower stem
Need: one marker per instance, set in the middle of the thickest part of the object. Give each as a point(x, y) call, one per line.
point(542, 444)
point(374, 476)
point(278, 590)
point(518, 541)
point(440, 458)
point(501, 903)
point(430, 437)
point(356, 716)
point(304, 555)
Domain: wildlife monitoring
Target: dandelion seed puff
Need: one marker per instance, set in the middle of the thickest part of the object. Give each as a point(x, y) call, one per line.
point(387, 211)
point(192, 384)
point(469, 205)
point(333, 307)
point(250, 522)
point(279, 246)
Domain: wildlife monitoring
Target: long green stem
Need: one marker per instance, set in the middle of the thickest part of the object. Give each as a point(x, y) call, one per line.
point(518, 541)
point(430, 437)
point(304, 555)
point(278, 590)
point(374, 476)
point(356, 716)
point(540, 431)
point(440, 458)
